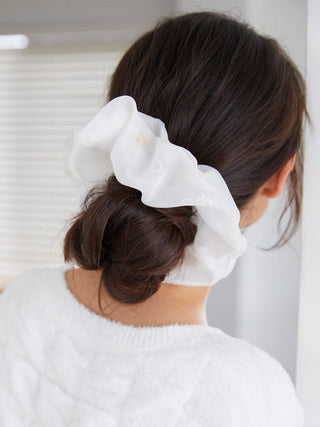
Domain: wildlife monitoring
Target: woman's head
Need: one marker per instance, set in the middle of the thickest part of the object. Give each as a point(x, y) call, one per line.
point(231, 97)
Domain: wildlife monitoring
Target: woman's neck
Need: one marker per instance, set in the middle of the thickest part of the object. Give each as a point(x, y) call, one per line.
point(169, 305)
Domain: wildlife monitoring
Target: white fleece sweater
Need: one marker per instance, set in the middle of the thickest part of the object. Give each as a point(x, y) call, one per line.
point(61, 365)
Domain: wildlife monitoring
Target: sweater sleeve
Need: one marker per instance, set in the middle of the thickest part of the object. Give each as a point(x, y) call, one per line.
point(9, 412)
point(244, 386)
point(284, 406)
point(14, 367)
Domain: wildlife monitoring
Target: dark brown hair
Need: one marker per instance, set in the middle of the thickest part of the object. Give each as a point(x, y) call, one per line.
point(230, 96)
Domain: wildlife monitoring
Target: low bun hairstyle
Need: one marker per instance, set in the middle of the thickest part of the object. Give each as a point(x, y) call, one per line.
point(230, 96)
point(133, 244)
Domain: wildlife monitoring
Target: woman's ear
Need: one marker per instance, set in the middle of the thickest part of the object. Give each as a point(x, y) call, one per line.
point(274, 185)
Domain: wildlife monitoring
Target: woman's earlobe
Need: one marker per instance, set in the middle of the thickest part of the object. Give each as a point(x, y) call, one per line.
point(272, 188)
point(274, 185)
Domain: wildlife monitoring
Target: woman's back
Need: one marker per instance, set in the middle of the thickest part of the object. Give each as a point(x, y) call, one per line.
point(64, 365)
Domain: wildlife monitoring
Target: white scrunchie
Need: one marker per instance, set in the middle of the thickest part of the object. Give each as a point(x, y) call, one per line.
point(135, 147)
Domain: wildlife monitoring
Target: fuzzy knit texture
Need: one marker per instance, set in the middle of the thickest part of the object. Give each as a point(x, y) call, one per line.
point(62, 365)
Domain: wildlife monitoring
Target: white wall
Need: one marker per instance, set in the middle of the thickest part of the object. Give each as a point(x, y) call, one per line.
point(110, 24)
point(308, 358)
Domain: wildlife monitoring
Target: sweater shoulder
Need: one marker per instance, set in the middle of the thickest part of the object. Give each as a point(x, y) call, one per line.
point(250, 379)
point(25, 293)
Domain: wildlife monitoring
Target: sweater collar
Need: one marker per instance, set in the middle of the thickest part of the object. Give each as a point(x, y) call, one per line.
point(101, 331)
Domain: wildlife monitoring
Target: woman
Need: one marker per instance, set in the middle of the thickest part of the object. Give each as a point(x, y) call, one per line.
point(123, 340)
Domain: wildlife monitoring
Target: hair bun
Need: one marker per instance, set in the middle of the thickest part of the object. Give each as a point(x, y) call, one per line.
point(135, 245)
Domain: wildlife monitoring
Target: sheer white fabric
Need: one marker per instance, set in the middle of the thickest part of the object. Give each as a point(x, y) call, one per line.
point(135, 147)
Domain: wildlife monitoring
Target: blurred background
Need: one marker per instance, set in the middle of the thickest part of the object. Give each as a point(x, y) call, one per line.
point(53, 77)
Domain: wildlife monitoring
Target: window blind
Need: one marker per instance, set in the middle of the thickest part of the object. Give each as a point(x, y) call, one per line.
point(45, 95)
